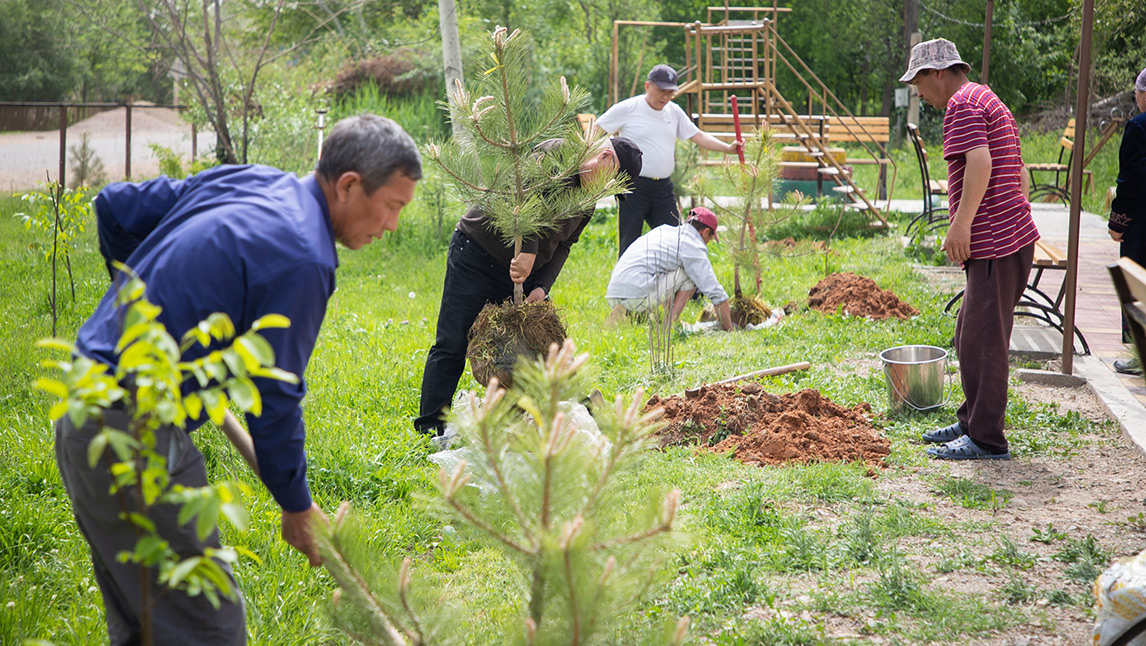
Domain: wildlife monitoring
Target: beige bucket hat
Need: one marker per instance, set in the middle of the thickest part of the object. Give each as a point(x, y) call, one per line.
point(938, 54)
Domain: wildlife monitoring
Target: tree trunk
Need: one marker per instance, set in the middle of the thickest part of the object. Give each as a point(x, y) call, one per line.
point(518, 292)
point(451, 52)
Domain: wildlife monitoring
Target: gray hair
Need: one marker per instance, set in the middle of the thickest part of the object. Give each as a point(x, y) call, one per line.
point(372, 146)
point(1140, 82)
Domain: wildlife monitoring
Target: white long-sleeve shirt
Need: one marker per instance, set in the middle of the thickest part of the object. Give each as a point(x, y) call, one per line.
point(659, 252)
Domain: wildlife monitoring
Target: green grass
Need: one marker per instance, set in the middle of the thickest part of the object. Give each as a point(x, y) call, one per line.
point(749, 537)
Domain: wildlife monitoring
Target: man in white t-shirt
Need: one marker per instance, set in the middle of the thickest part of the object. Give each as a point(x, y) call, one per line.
point(654, 123)
point(669, 264)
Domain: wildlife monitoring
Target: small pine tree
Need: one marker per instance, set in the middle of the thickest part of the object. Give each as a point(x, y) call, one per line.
point(87, 168)
point(752, 182)
point(551, 497)
point(497, 168)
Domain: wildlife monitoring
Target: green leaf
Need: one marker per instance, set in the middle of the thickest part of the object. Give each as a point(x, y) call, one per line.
point(276, 373)
point(123, 444)
point(216, 411)
point(246, 396)
point(191, 509)
point(142, 522)
point(56, 344)
point(58, 410)
point(52, 387)
point(208, 519)
point(183, 570)
point(236, 514)
point(260, 348)
point(271, 321)
point(131, 334)
point(96, 448)
point(193, 405)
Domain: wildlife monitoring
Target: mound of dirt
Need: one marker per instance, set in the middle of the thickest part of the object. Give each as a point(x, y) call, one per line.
point(759, 427)
point(857, 295)
point(504, 332)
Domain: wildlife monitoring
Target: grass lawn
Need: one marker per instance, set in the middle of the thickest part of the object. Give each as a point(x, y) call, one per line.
point(780, 555)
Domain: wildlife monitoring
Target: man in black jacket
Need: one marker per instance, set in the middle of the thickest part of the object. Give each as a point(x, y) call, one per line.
point(481, 268)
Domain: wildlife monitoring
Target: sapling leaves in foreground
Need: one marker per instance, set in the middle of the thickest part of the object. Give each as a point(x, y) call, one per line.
point(157, 387)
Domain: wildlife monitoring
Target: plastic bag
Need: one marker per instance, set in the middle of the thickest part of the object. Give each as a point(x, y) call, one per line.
point(577, 417)
point(1120, 600)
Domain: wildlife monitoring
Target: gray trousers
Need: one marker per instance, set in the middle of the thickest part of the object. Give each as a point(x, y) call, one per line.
point(177, 619)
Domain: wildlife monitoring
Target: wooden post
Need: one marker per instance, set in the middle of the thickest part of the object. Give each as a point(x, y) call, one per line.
point(1081, 111)
point(613, 68)
point(61, 175)
point(127, 162)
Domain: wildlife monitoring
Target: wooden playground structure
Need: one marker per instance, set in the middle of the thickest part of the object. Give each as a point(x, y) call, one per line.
point(739, 52)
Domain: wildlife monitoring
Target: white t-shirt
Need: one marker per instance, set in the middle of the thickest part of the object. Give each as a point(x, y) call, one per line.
point(654, 131)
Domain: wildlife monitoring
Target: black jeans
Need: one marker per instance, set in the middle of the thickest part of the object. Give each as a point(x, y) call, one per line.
point(652, 201)
point(472, 280)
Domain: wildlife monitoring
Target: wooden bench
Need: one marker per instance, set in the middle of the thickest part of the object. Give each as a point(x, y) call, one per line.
point(1059, 187)
point(1035, 303)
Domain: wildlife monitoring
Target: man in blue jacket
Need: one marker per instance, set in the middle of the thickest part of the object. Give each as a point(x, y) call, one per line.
point(246, 241)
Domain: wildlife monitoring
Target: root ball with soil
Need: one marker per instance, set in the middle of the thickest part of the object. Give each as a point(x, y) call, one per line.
point(504, 332)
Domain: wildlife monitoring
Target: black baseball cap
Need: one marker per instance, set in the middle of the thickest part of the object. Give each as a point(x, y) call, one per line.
point(664, 77)
point(628, 158)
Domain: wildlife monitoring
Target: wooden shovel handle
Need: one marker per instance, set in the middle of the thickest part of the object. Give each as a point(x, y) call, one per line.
point(767, 372)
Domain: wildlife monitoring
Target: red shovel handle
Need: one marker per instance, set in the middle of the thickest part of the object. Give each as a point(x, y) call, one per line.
point(736, 125)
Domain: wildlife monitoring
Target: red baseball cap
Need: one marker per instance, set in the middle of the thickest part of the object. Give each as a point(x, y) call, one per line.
point(706, 217)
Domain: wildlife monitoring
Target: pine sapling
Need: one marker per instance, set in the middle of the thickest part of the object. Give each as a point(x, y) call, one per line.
point(547, 493)
point(752, 183)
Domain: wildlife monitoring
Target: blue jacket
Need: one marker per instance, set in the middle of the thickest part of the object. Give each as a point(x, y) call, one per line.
point(243, 240)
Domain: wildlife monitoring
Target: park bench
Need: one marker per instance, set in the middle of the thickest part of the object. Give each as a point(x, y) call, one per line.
point(1130, 284)
point(933, 217)
point(825, 129)
point(1036, 303)
point(1041, 183)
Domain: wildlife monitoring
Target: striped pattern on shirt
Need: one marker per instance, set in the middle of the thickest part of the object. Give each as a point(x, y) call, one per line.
point(975, 118)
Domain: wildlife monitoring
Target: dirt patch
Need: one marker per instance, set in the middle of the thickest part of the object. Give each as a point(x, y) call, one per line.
point(504, 332)
point(758, 427)
point(857, 295)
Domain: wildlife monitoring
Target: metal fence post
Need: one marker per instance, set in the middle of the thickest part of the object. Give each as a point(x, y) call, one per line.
point(127, 163)
point(63, 142)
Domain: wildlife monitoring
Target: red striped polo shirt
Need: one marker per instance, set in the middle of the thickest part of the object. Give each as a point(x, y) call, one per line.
point(975, 117)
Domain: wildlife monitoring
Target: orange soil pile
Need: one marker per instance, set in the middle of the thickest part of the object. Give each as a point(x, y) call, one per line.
point(857, 295)
point(759, 427)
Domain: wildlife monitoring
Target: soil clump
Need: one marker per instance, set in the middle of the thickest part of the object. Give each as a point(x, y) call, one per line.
point(857, 295)
point(504, 332)
point(759, 427)
point(748, 310)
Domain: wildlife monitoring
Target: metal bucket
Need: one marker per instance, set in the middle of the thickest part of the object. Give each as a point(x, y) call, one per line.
point(914, 375)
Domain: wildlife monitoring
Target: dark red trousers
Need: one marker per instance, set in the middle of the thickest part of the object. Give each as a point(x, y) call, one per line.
point(983, 341)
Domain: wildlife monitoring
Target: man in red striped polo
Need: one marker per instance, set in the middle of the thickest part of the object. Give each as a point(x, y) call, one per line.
point(991, 234)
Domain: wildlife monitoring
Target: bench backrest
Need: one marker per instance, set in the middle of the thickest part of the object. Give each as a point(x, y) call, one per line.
point(1130, 283)
point(828, 128)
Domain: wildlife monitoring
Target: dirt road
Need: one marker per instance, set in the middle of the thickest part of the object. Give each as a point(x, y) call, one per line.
point(26, 157)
